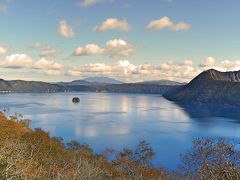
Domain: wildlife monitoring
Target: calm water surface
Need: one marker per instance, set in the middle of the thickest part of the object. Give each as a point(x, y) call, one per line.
point(121, 120)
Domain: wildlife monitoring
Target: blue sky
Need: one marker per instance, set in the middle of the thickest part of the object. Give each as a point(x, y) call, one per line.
point(187, 36)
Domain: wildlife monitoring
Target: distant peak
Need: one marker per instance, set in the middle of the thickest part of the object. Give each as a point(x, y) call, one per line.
point(212, 70)
point(102, 79)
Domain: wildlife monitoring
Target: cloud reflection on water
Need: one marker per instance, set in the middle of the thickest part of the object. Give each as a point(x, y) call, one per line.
point(120, 120)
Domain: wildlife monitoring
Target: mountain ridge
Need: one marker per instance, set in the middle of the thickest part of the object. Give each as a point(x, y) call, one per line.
point(210, 87)
point(20, 86)
point(231, 76)
point(29, 86)
point(102, 79)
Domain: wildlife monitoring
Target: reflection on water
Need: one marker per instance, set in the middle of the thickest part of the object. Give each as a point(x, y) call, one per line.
point(121, 120)
point(202, 111)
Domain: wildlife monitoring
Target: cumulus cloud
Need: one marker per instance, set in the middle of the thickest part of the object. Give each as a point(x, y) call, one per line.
point(208, 62)
point(127, 71)
point(47, 64)
point(74, 72)
point(230, 65)
point(112, 24)
point(89, 49)
point(119, 48)
point(182, 71)
point(88, 3)
point(48, 51)
point(114, 48)
point(65, 30)
point(97, 68)
point(20, 61)
point(94, 68)
point(17, 61)
point(166, 23)
point(224, 65)
point(3, 49)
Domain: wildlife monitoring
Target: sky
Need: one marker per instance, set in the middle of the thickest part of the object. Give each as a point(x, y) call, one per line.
point(129, 40)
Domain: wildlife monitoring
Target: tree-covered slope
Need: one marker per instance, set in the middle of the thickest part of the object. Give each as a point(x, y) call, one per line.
point(125, 88)
point(20, 86)
point(29, 86)
point(211, 87)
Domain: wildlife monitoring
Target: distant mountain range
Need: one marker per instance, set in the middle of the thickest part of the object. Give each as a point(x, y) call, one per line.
point(105, 84)
point(107, 81)
point(94, 84)
point(91, 81)
point(210, 87)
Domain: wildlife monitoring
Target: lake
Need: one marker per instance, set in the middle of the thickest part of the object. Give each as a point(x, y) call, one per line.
point(116, 121)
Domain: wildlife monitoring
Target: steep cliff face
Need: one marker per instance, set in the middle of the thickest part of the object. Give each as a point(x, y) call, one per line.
point(233, 76)
point(211, 87)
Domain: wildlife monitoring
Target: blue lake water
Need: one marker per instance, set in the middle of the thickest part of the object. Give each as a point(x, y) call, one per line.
point(121, 120)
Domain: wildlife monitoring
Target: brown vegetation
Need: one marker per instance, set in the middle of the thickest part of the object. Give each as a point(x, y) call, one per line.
point(33, 154)
point(28, 154)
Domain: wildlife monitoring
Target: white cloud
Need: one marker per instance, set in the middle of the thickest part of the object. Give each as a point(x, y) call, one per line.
point(90, 69)
point(88, 3)
point(48, 51)
point(65, 30)
point(22, 61)
point(183, 71)
point(166, 23)
point(230, 65)
point(3, 49)
point(89, 49)
point(180, 26)
point(114, 48)
point(112, 24)
point(46, 64)
point(208, 62)
point(96, 67)
point(119, 48)
point(74, 72)
point(224, 65)
point(17, 61)
point(53, 72)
